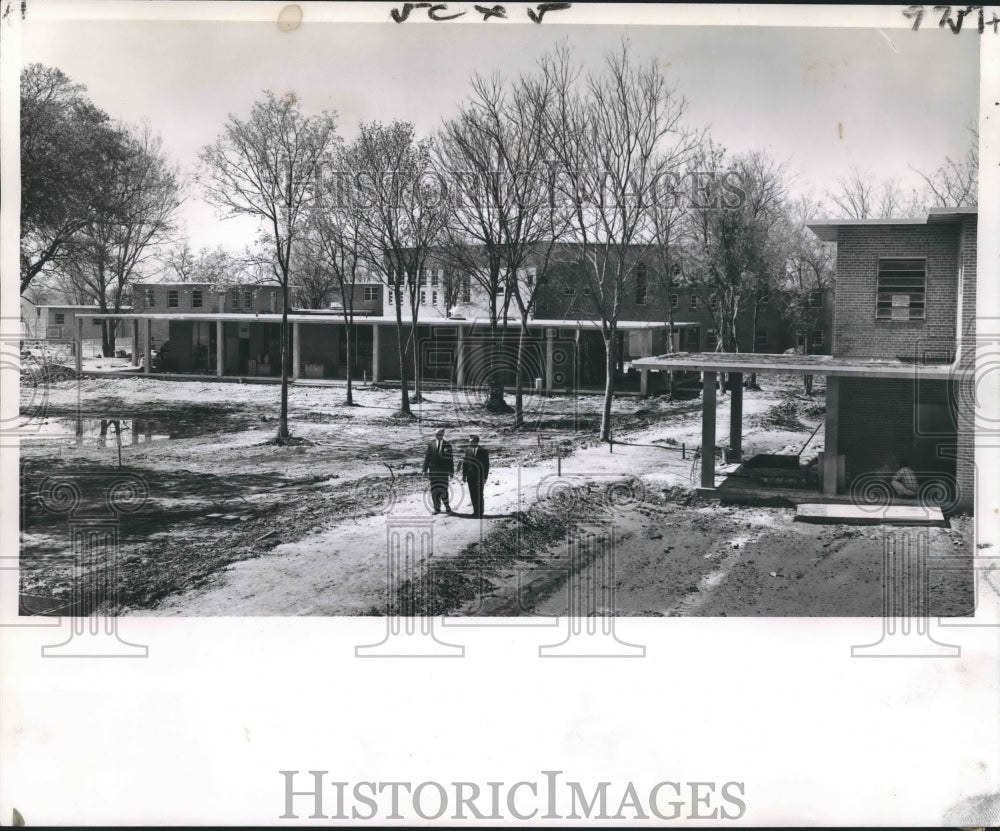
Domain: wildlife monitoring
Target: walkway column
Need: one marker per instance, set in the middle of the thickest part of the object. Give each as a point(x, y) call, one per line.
point(830, 450)
point(220, 349)
point(135, 343)
point(375, 350)
point(550, 358)
point(643, 382)
point(79, 345)
point(297, 351)
point(708, 430)
point(460, 358)
point(736, 416)
point(147, 339)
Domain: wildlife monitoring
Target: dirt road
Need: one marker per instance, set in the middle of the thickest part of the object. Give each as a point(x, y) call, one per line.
point(235, 525)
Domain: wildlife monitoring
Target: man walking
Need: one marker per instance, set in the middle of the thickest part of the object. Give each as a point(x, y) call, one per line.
point(439, 466)
point(475, 469)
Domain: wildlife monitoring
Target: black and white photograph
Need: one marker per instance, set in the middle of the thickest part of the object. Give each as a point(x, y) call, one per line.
point(377, 329)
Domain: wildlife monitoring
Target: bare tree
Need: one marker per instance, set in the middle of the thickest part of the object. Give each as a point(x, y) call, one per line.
point(861, 195)
point(217, 266)
point(611, 142)
point(132, 218)
point(956, 182)
point(503, 214)
point(734, 250)
point(268, 167)
point(402, 212)
point(670, 213)
point(802, 288)
point(66, 145)
point(336, 250)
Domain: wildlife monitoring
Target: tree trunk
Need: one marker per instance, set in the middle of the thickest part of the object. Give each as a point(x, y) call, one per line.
point(609, 384)
point(519, 380)
point(107, 339)
point(404, 391)
point(416, 365)
point(349, 333)
point(495, 402)
point(282, 437)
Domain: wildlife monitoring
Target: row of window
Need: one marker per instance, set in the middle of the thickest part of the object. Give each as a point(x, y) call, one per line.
point(423, 297)
point(815, 336)
point(60, 319)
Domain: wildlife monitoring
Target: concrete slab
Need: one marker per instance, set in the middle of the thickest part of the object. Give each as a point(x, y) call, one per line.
point(870, 515)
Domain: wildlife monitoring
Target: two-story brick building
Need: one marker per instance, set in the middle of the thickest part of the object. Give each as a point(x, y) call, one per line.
point(903, 356)
point(563, 346)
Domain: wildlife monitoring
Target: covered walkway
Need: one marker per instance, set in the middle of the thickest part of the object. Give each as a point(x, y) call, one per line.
point(710, 364)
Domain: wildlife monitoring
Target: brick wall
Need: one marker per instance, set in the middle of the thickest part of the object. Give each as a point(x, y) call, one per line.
point(266, 299)
point(897, 417)
point(965, 388)
point(857, 334)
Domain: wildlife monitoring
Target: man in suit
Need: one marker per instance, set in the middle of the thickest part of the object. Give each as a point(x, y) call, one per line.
point(439, 467)
point(475, 469)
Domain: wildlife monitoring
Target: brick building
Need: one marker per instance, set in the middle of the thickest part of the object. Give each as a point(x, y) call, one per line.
point(902, 357)
point(564, 347)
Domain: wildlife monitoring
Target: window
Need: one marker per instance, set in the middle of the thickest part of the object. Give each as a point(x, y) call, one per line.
point(390, 297)
point(150, 297)
point(761, 337)
point(694, 301)
point(815, 299)
point(234, 299)
point(817, 337)
point(713, 302)
point(901, 286)
point(435, 276)
point(196, 299)
point(675, 301)
point(711, 339)
point(568, 289)
point(434, 298)
point(466, 289)
point(248, 299)
point(423, 278)
point(423, 297)
point(173, 299)
point(529, 276)
point(641, 286)
point(371, 293)
point(60, 318)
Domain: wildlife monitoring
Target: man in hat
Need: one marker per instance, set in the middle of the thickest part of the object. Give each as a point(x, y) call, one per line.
point(475, 469)
point(439, 467)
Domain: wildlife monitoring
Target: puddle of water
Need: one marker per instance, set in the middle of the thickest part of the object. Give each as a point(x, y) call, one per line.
point(97, 432)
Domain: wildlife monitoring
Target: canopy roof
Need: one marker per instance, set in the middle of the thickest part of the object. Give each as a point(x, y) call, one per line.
point(799, 365)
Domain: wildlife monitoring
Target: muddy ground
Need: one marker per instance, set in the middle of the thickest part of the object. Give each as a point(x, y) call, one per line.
point(234, 524)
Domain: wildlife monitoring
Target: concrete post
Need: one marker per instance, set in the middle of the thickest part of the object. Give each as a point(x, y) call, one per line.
point(644, 382)
point(550, 364)
point(147, 341)
point(297, 351)
point(220, 349)
point(375, 350)
point(830, 450)
point(736, 416)
point(708, 430)
point(135, 343)
point(460, 358)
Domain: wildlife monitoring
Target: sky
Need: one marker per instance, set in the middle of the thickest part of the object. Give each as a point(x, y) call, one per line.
point(820, 99)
